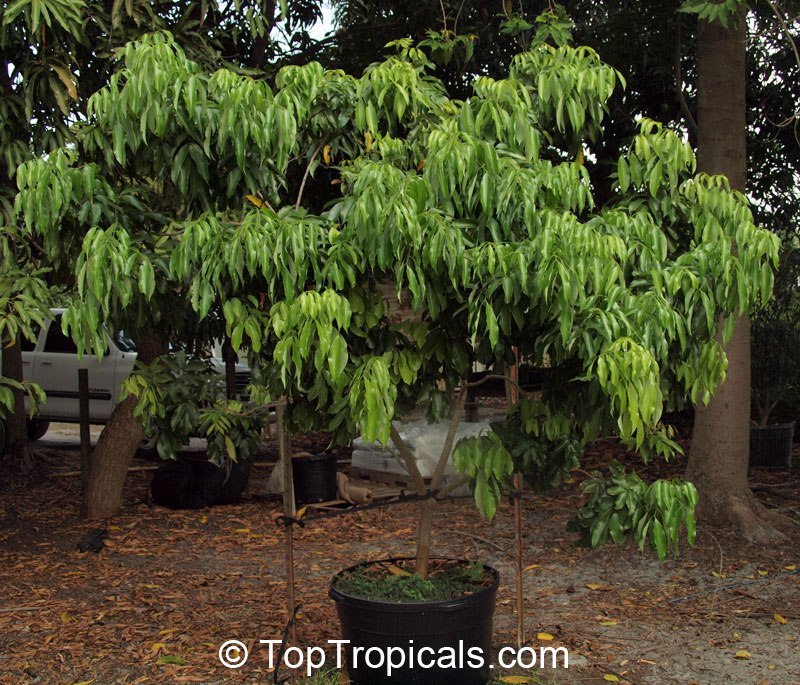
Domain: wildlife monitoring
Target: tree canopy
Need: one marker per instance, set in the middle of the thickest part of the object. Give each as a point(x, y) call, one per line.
point(178, 195)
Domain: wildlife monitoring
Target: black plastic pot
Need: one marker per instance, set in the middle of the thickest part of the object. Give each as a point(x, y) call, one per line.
point(460, 630)
point(314, 477)
point(771, 445)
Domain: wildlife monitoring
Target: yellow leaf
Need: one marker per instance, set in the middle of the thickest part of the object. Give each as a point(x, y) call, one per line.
point(397, 571)
point(609, 623)
point(544, 637)
point(301, 512)
point(763, 573)
point(594, 586)
point(230, 448)
point(368, 141)
point(242, 531)
point(85, 682)
point(66, 77)
point(515, 679)
point(150, 586)
point(793, 567)
point(531, 567)
point(169, 631)
point(158, 645)
point(716, 574)
point(255, 200)
point(743, 654)
point(780, 619)
point(66, 617)
point(326, 154)
point(610, 678)
point(204, 519)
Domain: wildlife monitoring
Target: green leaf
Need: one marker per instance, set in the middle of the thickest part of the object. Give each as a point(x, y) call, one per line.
point(491, 323)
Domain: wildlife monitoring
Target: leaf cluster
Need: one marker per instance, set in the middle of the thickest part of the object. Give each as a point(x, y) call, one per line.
point(625, 509)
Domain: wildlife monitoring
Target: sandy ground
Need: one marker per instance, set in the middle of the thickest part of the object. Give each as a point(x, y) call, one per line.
point(169, 587)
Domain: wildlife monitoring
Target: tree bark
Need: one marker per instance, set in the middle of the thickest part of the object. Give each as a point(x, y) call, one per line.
point(718, 458)
point(16, 421)
point(116, 448)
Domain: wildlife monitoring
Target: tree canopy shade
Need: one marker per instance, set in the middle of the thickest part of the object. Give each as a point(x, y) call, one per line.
point(480, 208)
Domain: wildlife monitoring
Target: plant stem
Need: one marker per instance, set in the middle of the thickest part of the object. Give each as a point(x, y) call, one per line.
point(425, 526)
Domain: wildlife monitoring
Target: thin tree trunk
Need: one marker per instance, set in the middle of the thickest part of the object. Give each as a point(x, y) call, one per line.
point(16, 423)
point(719, 454)
point(116, 448)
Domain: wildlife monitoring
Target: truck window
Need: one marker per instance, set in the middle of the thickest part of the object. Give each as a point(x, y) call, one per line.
point(58, 342)
point(30, 345)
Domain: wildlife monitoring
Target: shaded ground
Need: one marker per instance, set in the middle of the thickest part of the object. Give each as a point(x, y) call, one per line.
point(173, 586)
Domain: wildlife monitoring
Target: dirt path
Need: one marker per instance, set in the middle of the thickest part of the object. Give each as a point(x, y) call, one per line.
point(170, 587)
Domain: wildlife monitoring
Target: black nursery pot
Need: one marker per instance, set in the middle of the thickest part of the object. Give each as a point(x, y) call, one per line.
point(454, 635)
point(771, 445)
point(314, 477)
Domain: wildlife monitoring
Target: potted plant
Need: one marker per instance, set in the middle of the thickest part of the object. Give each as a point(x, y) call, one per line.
point(775, 372)
point(484, 211)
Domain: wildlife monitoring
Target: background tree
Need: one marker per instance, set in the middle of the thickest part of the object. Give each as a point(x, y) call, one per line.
point(44, 48)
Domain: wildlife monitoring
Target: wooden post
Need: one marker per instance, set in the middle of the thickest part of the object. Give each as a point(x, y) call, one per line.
point(83, 417)
point(285, 463)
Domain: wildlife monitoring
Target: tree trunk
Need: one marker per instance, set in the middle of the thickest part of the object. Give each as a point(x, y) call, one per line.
point(116, 448)
point(719, 454)
point(16, 423)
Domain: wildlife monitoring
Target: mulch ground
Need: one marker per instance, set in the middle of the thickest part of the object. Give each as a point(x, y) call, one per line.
point(170, 587)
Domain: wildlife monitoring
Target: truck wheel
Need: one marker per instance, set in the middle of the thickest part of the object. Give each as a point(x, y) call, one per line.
point(37, 428)
point(148, 448)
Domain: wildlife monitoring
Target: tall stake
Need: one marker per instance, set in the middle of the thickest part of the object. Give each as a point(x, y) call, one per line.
point(513, 394)
point(285, 463)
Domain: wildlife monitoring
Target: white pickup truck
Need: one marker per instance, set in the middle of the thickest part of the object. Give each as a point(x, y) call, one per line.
point(52, 362)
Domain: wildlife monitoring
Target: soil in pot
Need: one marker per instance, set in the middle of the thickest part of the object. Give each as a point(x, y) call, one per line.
point(413, 631)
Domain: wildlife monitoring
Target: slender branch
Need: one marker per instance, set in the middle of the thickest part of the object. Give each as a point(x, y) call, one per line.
point(308, 170)
point(691, 123)
point(444, 16)
point(500, 377)
point(785, 27)
point(458, 14)
point(458, 412)
point(410, 462)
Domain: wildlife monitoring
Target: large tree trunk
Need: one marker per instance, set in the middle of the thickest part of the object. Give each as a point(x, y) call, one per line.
point(720, 441)
point(116, 448)
point(16, 423)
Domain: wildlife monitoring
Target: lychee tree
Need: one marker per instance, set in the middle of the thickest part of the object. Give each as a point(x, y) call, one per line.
point(481, 212)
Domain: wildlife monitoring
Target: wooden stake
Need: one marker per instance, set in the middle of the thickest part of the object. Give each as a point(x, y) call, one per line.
point(86, 439)
point(512, 392)
point(285, 463)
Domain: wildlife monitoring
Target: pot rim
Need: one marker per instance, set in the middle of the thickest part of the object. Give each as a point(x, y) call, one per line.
point(783, 424)
point(337, 595)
